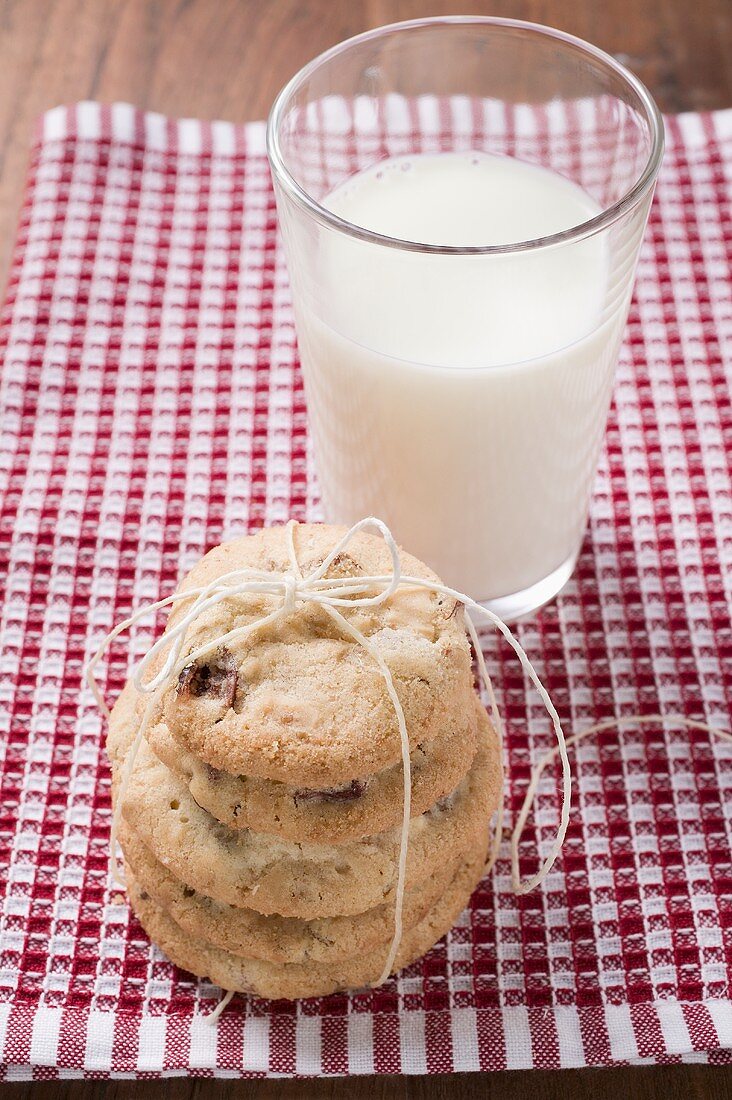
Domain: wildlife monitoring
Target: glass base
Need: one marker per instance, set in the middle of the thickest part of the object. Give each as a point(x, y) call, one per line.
point(520, 604)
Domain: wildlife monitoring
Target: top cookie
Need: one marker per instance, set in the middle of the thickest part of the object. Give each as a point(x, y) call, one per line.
point(299, 701)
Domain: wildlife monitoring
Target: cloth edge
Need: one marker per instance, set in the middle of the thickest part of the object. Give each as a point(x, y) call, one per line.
point(126, 124)
point(482, 1040)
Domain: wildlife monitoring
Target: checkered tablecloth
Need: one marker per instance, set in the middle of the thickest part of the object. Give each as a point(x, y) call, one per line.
point(151, 406)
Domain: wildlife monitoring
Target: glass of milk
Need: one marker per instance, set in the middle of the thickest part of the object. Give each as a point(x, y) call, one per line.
point(462, 201)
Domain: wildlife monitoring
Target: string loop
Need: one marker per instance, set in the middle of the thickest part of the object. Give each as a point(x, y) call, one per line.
point(288, 589)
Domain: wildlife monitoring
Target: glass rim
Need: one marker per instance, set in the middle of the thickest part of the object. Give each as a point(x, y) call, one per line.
point(585, 229)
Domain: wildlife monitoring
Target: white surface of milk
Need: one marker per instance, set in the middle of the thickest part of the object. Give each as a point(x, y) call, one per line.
point(462, 398)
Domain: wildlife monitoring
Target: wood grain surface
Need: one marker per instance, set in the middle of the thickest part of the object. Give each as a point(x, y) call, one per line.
point(636, 1083)
point(227, 59)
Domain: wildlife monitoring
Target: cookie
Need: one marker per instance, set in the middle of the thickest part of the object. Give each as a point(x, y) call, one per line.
point(276, 939)
point(123, 725)
point(272, 875)
point(310, 979)
point(299, 701)
point(352, 810)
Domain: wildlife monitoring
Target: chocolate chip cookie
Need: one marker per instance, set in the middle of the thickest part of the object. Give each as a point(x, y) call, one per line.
point(299, 701)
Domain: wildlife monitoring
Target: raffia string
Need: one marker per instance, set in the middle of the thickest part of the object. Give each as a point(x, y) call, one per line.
point(290, 589)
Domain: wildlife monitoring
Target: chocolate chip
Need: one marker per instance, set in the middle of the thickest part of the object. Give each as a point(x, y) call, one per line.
point(187, 892)
point(216, 679)
point(448, 607)
point(347, 793)
point(144, 896)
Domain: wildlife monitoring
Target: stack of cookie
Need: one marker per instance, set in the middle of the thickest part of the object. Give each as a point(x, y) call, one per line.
point(261, 824)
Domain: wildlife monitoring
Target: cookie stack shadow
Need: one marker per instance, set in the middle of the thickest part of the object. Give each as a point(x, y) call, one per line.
point(261, 823)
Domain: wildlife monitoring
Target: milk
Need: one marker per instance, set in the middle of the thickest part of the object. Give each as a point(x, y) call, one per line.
point(463, 398)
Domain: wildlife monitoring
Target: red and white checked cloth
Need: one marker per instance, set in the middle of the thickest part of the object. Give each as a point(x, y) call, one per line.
point(151, 406)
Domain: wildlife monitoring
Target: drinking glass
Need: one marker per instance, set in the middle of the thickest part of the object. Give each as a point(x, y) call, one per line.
point(458, 384)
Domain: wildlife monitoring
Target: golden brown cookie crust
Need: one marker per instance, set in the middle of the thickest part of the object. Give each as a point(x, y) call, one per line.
point(336, 816)
point(311, 979)
point(263, 872)
point(276, 939)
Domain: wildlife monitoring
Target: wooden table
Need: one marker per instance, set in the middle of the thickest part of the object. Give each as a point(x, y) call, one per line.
point(227, 59)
